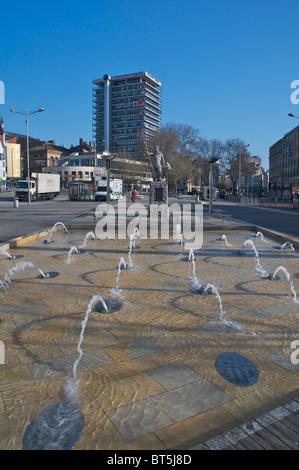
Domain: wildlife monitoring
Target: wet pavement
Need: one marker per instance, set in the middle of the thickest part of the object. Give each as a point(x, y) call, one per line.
point(147, 376)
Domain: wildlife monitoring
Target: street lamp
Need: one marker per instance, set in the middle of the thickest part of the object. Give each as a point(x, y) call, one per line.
point(211, 161)
point(292, 115)
point(108, 157)
point(27, 114)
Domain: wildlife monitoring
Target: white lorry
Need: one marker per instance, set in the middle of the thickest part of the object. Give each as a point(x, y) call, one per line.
point(116, 189)
point(42, 185)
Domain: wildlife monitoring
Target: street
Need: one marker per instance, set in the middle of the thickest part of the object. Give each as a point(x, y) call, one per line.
point(42, 215)
point(280, 220)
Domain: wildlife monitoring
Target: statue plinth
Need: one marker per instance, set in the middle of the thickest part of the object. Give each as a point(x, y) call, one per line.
point(158, 196)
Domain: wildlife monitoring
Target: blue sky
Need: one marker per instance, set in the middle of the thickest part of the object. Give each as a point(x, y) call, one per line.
point(226, 67)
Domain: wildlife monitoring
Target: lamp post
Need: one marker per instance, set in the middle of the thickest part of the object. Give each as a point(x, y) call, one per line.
point(108, 157)
point(211, 162)
point(27, 114)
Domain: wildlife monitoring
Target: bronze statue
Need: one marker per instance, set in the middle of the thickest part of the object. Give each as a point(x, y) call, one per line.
point(157, 164)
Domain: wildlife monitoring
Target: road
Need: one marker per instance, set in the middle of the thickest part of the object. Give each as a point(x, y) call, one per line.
point(280, 220)
point(42, 215)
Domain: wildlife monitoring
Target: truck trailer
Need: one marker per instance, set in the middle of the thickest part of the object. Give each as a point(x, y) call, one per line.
point(42, 186)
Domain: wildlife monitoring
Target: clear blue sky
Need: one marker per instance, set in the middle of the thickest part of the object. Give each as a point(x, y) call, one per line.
point(226, 66)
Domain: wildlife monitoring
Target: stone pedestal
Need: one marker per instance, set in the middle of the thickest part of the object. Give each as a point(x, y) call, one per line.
point(158, 196)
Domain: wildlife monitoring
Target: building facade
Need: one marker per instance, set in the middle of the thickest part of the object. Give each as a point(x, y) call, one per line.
point(284, 164)
point(255, 180)
point(13, 160)
point(90, 168)
point(126, 113)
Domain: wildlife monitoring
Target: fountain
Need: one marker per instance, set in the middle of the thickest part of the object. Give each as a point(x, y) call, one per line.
point(5, 253)
point(287, 246)
point(121, 265)
point(72, 384)
point(87, 236)
point(283, 269)
point(53, 230)
point(21, 266)
point(227, 322)
point(262, 273)
point(261, 236)
point(130, 265)
point(72, 250)
point(196, 287)
point(132, 246)
point(223, 238)
point(179, 236)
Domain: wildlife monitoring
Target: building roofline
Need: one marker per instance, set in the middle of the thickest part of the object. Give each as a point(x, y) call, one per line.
point(131, 75)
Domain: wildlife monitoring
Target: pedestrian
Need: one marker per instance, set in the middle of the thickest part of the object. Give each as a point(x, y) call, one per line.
point(134, 195)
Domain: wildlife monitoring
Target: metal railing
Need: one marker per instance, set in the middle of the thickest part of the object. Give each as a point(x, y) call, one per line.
point(270, 202)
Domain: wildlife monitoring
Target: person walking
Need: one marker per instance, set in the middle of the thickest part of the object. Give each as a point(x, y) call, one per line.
point(134, 195)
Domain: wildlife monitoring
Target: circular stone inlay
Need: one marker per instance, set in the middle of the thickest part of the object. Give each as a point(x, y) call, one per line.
point(236, 369)
point(112, 305)
point(202, 290)
point(55, 428)
point(50, 275)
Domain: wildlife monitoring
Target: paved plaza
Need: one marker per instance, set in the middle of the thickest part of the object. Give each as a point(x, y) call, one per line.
point(148, 376)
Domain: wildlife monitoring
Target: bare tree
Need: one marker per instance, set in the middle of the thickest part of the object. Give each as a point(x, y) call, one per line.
point(235, 157)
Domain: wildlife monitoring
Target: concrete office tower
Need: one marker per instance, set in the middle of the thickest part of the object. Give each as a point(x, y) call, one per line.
point(126, 111)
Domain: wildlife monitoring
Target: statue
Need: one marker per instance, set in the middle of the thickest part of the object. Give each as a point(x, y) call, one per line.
point(157, 163)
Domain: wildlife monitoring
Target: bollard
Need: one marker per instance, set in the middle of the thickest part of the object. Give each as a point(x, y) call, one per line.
point(16, 202)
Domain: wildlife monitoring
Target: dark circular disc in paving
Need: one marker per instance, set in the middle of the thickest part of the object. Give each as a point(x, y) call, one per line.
point(127, 267)
point(201, 290)
point(50, 275)
point(236, 369)
point(55, 428)
point(272, 278)
point(186, 258)
point(113, 305)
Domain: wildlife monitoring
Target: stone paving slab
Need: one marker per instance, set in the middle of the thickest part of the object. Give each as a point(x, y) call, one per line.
point(147, 377)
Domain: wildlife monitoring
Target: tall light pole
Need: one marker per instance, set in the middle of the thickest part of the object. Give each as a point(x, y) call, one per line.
point(27, 114)
point(211, 162)
point(108, 157)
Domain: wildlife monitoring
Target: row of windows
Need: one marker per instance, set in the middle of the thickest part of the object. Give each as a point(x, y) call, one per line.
point(128, 129)
point(124, 82)
point(127, 113)
point(126, 137)
point(127, 119)
point(121, 143)
point(127, 94)
point(155, 113)
point(134, 121)
point(128, 88)
point(86, 162)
